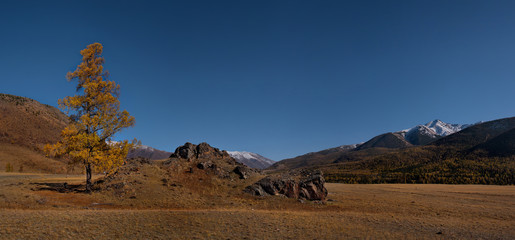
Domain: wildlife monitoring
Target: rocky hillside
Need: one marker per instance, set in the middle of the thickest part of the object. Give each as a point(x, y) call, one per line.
point(198, 176)
point(191, 169)
point(252, 160)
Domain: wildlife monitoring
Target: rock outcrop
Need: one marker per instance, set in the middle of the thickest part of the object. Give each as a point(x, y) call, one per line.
point(244, 172)
point(202, 151)
point(308, 185)
point(207, 158)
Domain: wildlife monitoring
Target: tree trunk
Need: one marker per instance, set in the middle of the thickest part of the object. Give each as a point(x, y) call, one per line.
point(88, 178)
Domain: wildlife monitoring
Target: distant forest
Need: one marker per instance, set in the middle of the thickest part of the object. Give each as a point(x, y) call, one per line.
point(428, 164)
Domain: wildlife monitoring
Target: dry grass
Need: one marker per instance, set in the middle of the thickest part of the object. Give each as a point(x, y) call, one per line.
point(192, 224)
point(30, 160)
point(458, 211)
point(29, 123)
point(396, 211)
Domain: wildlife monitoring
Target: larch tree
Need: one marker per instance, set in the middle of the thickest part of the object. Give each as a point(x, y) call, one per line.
point(95, 118)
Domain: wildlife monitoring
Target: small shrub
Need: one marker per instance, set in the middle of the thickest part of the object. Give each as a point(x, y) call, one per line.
point(8, 167)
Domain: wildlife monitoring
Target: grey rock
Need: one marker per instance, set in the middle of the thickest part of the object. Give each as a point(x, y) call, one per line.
point(307, 185)
point(243, 171)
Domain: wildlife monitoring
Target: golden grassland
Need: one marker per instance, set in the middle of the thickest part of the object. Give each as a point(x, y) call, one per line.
point(24, 159)
point(382, 211)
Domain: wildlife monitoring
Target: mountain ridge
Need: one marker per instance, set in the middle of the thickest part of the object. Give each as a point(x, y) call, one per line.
point(145, 151)
point(478, 154)
point(251, 159)
point(420, 134)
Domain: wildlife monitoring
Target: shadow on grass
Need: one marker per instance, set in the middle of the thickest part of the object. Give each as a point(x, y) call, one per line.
point(59, 187)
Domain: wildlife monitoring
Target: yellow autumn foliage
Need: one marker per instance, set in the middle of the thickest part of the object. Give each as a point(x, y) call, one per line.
point(96, 117)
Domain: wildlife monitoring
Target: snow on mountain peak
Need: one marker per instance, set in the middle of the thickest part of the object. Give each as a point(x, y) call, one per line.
point(242, 154)
point(422, 129)
point(251, 159)
point(434, 129)
point(443, 129)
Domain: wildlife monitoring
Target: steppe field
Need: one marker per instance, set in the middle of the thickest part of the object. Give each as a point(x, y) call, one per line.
point(389, 211)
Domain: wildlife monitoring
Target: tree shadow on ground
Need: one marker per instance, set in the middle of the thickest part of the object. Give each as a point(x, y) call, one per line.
point(59, 187)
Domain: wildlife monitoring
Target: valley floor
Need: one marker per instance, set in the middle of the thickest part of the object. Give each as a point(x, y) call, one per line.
point(389, 211)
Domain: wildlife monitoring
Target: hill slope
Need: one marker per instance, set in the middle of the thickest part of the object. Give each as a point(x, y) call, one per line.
point(499, 146)
point(24, 121)
point(148, 152)
point(25, 127)
point(387, 140)
point(477, 134)
point(313, 159)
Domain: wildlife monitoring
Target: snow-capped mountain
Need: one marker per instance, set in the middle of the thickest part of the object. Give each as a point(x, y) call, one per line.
point(418, 135)
point(423, 134)
point(440, 128)
point(444, 129)
point(253, 160)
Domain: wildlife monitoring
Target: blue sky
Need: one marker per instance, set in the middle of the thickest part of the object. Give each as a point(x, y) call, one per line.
point(279, 78)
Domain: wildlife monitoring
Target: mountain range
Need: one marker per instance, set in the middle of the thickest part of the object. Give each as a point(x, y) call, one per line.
point(415, 136)
point(480, 153)
point(418, 135)
point(435, 152)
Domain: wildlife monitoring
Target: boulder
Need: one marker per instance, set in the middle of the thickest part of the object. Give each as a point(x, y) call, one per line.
point(186, 151)
point(243, 171)
point(307, 185)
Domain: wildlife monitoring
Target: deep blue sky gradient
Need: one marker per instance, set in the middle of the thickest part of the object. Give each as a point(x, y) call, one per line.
point(279, 78)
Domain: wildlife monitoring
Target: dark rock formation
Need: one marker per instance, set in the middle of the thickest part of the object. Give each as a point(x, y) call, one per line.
point(243, 171)
point(201, 151)
point(207, 158)
point(185, 151)
point(302, 185)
